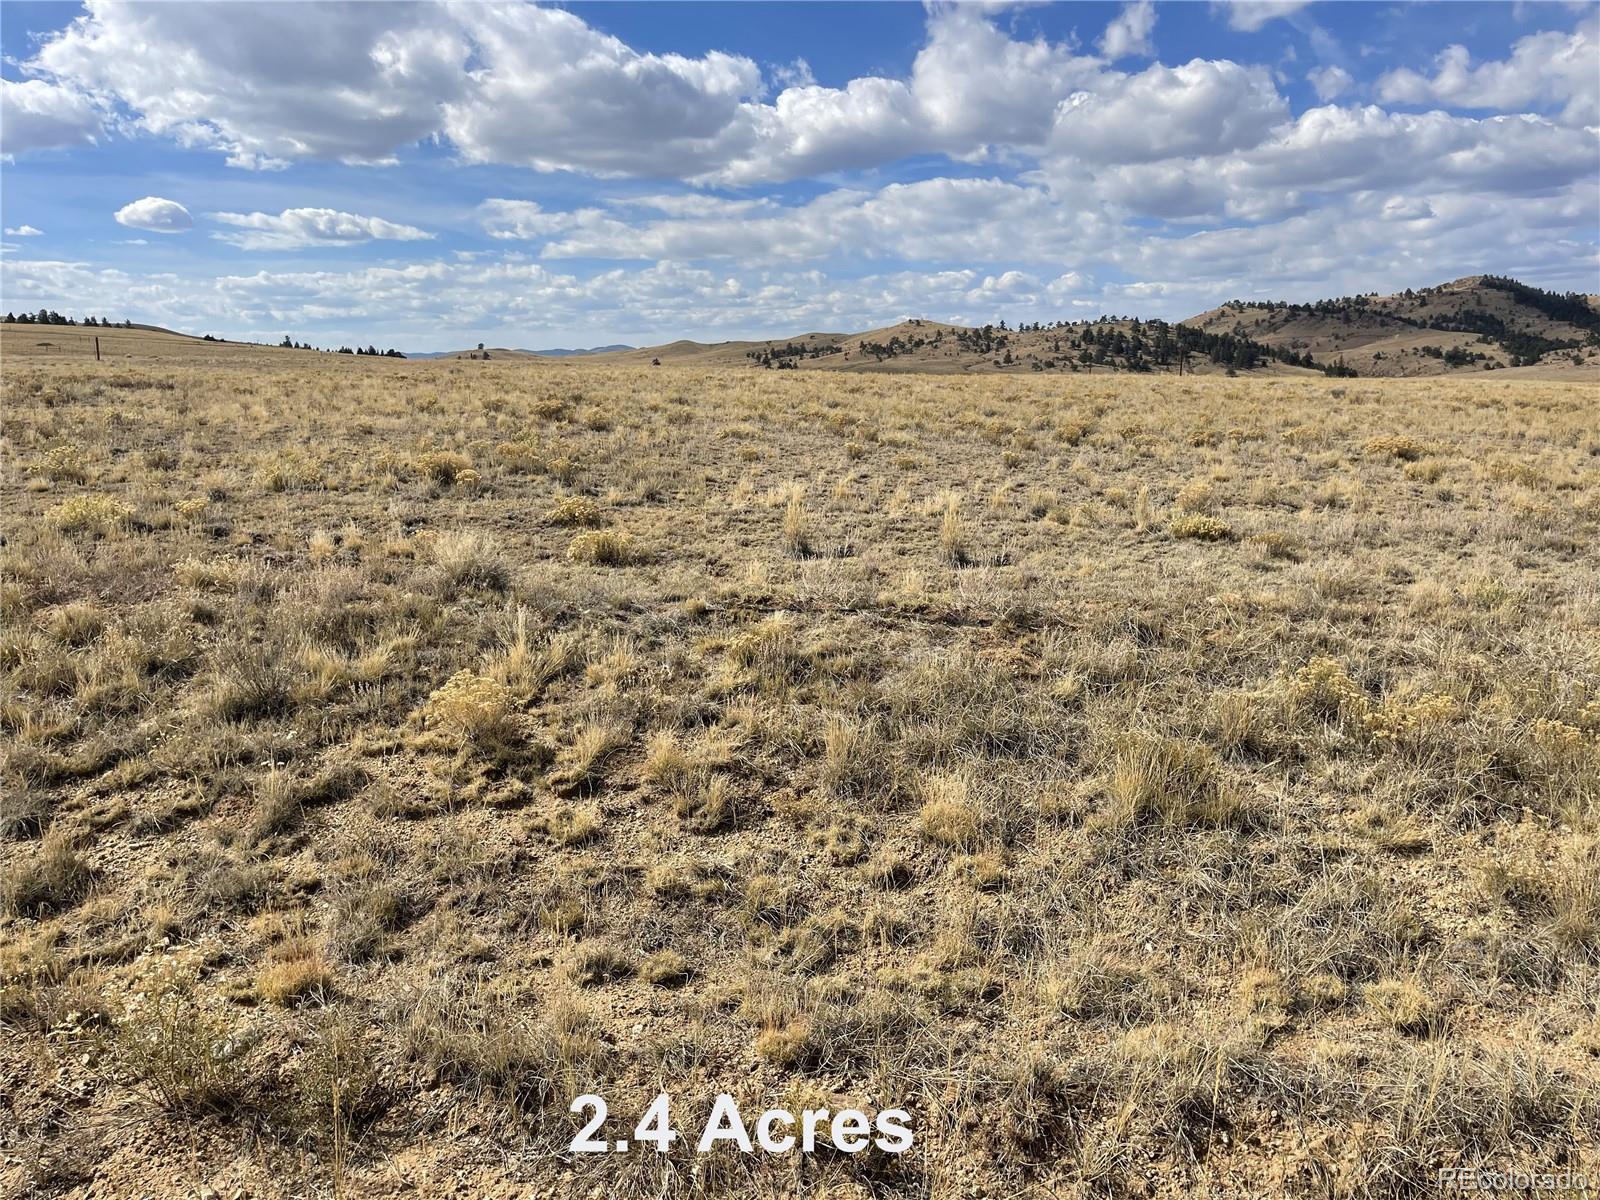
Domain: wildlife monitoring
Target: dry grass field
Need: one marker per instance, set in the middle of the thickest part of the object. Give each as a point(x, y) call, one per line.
point(1158, 787)
point(36, 344)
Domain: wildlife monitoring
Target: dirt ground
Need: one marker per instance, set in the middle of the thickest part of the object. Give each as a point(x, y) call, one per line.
point(1155, 787)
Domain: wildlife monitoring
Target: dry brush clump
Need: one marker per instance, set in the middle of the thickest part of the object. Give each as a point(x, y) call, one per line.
point(423, 744)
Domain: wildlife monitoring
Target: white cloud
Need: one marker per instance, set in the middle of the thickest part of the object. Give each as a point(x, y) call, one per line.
point(1330, 82)
point(1075, 208)
point(1165, 112)
point(973, 91)
point(1012, 287)
point(1544, 69)
point(296, 228)
point(555, 94)
point(1379, 242)
point(1129, 32)
point(508, 219)
point(506, 82)
point(1333, 157)
point(518, 84)
point(794, 74)
point(1407, 208)
point(23, 231)
point(36, 115)
point(1364, 147)
point(156, 215)
point(975, 86)
point(265, 84)
point(1247, 16)
point(967, 220)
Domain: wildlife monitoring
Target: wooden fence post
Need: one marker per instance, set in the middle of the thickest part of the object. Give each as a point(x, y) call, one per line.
point(97, 347)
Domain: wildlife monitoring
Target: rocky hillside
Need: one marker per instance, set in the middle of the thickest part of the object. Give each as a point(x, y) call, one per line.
point(1483, 322)
point(1087, 347)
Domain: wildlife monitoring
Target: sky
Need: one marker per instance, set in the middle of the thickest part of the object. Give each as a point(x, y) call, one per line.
point(429, 176)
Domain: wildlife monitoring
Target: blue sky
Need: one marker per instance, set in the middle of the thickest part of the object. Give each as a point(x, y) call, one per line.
point(429, 176)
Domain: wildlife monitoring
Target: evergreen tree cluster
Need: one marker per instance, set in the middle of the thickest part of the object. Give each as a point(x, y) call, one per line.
point(1148, 345)
point(895, 347)
point(1525, 349)
point(983, 341)
point(289, 343)
point(1569, 307)
point(785, 356)
point(48, 316)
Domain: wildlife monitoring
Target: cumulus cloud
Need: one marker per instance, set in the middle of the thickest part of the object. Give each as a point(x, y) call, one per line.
point(976, 86)
point(265, 85)
point(155, 215)
point(794, 74)
point(973, 89)
point(536, 87)
point(509, 219)
point(1545, 69)
point(519, 84)
point(297, 228)
point(1201, 107)
point(1332, 156)
point(1129, 32)
point(23, 231)
point(36, 115)
point(506, 82)
point(1327, 158)
point(556, 94)
point(1247, 16)
point(1359, 148)
point(1330, 82)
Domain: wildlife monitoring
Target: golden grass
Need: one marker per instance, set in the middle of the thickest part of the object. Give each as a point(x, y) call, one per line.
point(1234, 746)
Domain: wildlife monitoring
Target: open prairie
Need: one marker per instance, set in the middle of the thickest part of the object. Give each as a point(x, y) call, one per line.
point(1155, 786)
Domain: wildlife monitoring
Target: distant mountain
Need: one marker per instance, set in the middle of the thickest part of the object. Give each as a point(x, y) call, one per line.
point(575, 353)
point(503, 352)
point(493, 352)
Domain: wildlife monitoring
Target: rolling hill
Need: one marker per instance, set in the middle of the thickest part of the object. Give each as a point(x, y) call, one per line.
point(119, 343)
point(1477, 323)
point(1473, 324)
point(1101, 347)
